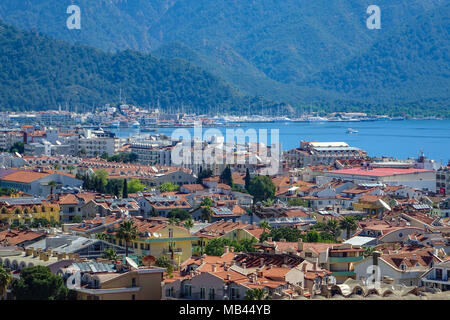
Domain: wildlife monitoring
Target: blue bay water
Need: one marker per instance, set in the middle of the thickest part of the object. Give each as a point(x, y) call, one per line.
point(398, 139)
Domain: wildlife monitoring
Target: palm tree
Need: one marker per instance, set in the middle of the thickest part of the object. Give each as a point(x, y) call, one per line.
point(174, 221)
point(265, 225)
point(368, 251)
point(52, 184)
point(332, 226)
point(110, 254)
point(188, 224)
point(256, 294)
point(5, 280)
point(349, 224)
point(70, 168)
point(102, 236)
point(127, 232)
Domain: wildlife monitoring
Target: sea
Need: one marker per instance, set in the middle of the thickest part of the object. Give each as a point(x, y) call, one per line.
point(398, 139)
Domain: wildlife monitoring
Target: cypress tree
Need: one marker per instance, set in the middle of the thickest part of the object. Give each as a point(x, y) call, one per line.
point(247, 179)
point(125, 189)
point(226, 176)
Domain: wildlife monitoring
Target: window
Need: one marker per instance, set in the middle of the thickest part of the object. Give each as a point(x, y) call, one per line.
point(438, 274)
point(202, 293)
point(235, 294)
point(133, 297)
point(133, 282)
point(170, 233)
point(187, 290)
point(212, 294)
point(169, 292)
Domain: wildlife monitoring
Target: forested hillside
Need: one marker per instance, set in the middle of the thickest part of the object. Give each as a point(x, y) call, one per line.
point(39, 72)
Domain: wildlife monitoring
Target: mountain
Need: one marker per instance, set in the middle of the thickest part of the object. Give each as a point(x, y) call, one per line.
point(290, 50)
point(38, 72)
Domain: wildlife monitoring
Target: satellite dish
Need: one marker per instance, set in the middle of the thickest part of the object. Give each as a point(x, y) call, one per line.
point(131, 263)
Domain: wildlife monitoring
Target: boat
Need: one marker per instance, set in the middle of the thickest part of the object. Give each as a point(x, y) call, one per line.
point(149, 129)
point(135, 124)
point(114, 124)
point(316, 119)
point(350, 130)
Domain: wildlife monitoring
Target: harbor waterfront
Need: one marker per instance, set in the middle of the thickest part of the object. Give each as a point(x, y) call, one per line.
point(399, 139)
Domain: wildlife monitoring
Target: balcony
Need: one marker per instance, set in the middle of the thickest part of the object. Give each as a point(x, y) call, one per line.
point(175, 251)
point(345, 259)
point(343, 273)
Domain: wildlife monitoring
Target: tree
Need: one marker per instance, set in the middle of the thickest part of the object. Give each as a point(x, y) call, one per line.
point(206, 214)
point(332, 226)
point(368, 251)
point(5, 280)
point(77, 219)
point(102, 174)
point(52, 184)
point(18, 147)
point(110, 254)
point(313, 236)
point(70, 168)
point(125, 189)
point(135, 185)
point(188, 224)
point(289, 233)
point(247, 179)
point(297, 202)
point(127, 232)
point(215, 247)
point(349, 224)
point(226, 176)
point(265, 225)
point(262, 188)
point(39, 283)
point(179, 214)
point(206, 202)
point(204, 174)
point(168, 187)
point(164, 262)
point(256, 294)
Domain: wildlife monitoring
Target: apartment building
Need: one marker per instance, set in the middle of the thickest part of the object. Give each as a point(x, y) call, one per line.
point(107, 281)
point(443, 181)
point(321, 153)
point(96, 143)
point(438, 276)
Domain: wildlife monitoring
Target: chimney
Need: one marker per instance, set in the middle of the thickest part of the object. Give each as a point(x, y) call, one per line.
point(228, 277)
point(244, 265)
point(314, 266)
point(61, 256)
point(282, 240)
point(300, 245)
point(269, 239)
point(375, 256)
point(414, 256)
point(214, 268)
point(29, 251)
point(231, 249)
point(261, 262)
point(227, 249)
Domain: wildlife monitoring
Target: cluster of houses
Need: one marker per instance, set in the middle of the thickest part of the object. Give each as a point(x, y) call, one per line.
point(399, 245)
